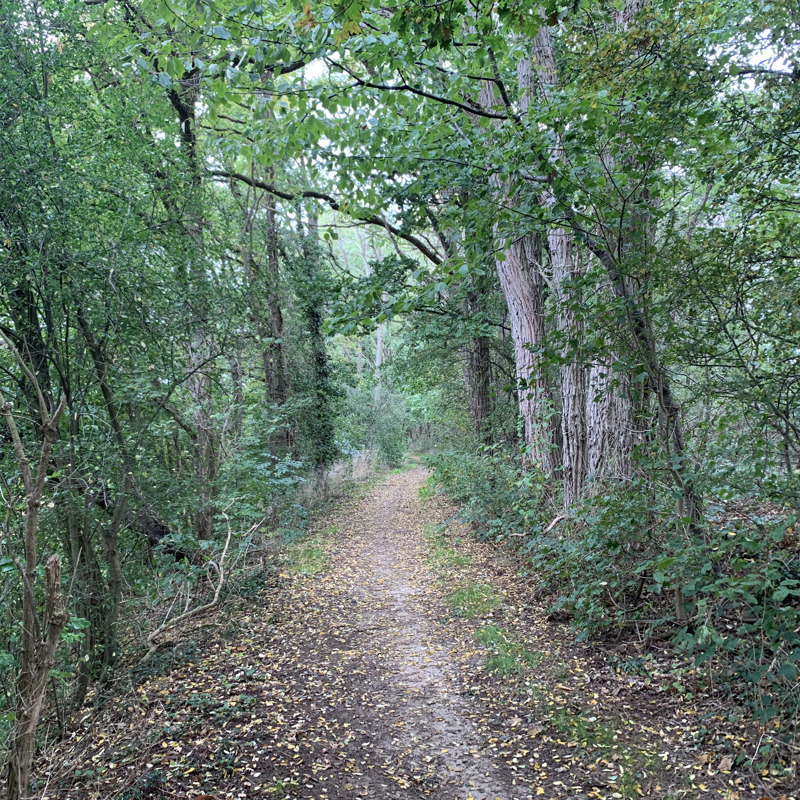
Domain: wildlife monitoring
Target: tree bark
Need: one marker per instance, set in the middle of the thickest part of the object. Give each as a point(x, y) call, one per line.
point(39, 643)
point(521, 281)
point(478, 381)
point(609, 424)
point(564, 262)
point(522, 286)
point(205, 442)
point(32, 683)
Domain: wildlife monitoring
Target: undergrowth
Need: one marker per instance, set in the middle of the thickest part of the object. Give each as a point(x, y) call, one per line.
point(622, 558)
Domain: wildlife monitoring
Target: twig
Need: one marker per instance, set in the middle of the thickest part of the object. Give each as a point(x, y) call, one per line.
point(155, 640)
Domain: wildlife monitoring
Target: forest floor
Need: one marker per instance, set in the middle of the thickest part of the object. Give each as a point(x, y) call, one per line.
point(400, 659)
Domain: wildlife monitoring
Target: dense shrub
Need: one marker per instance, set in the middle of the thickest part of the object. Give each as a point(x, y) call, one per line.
point(623, 560)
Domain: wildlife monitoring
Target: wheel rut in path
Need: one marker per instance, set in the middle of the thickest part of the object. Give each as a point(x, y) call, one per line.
point(403, 687)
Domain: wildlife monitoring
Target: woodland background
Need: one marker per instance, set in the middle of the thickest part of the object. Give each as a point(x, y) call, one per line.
point(248, 248)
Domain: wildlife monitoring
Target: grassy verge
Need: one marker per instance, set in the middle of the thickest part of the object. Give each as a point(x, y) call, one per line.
point(443, 557)
point(538, 676)
point(504, 656)
point(471, 600)
point(309, 555)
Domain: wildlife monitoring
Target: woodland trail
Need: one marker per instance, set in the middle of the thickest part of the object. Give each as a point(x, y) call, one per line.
point(403, 661)
point(412, 725)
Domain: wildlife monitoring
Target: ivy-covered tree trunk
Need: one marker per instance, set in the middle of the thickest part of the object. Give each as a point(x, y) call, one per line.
point(273, 353)
point(322, 422)
point(205, 440)
point(477, 368)
point(476, 356)
point(110, 533)
point(200, 349)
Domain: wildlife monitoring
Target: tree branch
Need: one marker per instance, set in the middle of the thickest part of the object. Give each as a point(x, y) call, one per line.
point(476, 110)
point(371, 219)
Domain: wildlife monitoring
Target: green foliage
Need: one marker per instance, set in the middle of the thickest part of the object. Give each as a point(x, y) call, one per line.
point(595, 562)
point(493, 488)
point(182, 257)
point(624, 553)
point(254, 480)
point(376, 420)
point(744, 592)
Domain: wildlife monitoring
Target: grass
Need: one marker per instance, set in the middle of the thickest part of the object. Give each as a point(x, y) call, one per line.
point(443, 556)
point(472, 600)
point(309, 557)
point(505, 656)
point(428, 489)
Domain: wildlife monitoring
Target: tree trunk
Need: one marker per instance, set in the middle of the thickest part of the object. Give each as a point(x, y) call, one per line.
point(110, 536)
point(274, 361)
point(183, 97)
point(323, 433)
point(522, 285)
point(237, 401)
point(205, 443)
point(39, 643)
point(378, 361)
point(563, 261)
point(609, 424)
point(476, 354)
point(32, 682)
point(523, 288)
point(478, 380)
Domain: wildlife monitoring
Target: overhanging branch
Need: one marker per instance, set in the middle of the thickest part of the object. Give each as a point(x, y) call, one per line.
point(473, 109)
point(372, 219)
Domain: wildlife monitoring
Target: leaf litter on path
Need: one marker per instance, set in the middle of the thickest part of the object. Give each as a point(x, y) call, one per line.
point(412, 666)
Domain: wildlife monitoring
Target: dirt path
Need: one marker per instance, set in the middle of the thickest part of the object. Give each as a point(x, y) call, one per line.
point(396, 662)
point(422, 740)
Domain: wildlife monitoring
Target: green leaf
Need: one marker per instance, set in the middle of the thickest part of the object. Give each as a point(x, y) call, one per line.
point(7, 565)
